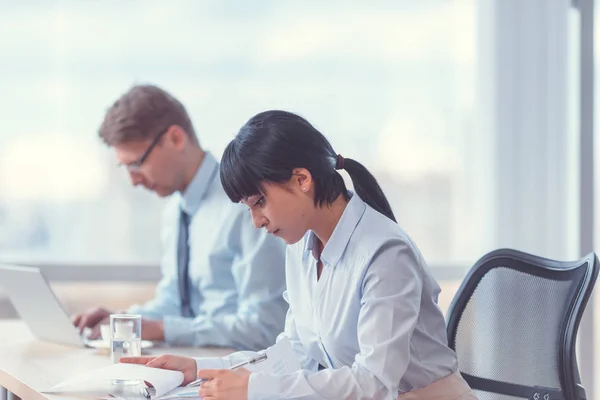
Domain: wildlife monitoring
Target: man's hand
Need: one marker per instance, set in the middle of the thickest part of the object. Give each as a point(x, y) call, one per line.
point(92, 318)
point(174, 363)
point(153, 330)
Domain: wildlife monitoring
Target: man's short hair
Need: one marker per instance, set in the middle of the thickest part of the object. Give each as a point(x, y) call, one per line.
point(142, 113)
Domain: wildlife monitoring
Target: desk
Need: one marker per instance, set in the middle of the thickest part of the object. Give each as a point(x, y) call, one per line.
point(28, 365)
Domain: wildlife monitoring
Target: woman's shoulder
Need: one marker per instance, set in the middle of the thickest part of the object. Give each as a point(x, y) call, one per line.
point(376, 235)
point(375, 229)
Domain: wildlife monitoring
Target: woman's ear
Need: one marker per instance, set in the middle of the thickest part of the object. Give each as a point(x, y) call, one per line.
point(301, 180)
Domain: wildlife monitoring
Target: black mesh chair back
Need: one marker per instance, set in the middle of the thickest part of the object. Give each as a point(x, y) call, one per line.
point(513, 325)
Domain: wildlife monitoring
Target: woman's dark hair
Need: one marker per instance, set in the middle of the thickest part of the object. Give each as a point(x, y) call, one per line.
point(273, 143)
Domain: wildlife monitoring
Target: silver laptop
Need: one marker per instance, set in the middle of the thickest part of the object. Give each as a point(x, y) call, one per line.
point(37, 305)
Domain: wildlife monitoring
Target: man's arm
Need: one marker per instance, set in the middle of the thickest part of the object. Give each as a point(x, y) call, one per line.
point(259, 274)
point(166, 300)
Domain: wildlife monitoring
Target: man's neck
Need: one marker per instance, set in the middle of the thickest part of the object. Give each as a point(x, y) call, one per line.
point(195, 160)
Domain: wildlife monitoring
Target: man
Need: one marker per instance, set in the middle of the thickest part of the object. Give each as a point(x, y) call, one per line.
point(222, 279)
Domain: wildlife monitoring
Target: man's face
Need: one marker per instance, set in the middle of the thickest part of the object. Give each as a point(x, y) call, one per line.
point(153, 163)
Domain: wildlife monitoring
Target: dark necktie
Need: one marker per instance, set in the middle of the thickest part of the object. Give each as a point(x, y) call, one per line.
point(183, 261)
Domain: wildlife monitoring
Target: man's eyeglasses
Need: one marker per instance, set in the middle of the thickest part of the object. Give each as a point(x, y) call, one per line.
point(136, 165)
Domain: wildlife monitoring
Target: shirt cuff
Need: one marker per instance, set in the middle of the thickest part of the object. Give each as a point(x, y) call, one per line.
point(211, 363)
point(263, 386)
point(138, 309)
point(135, 309)
point(180, 331)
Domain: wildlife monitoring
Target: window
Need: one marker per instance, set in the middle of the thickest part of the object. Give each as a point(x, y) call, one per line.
point(390, 83)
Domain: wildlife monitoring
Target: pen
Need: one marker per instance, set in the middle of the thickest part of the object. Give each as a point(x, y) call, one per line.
point(255, 360)
point(145, 392)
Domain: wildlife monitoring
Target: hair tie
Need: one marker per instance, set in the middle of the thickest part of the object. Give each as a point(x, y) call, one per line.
point(339, 162)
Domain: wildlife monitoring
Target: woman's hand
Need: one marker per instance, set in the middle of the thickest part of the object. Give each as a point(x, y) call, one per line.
point(175, 363)
point(224, 384)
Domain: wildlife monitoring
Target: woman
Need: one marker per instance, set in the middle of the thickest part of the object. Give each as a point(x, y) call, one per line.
point(363, 318)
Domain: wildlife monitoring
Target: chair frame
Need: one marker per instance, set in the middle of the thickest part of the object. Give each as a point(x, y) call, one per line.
point(572, 389)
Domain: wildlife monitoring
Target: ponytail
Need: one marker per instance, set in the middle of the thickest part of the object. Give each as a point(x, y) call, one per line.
point(366, 185)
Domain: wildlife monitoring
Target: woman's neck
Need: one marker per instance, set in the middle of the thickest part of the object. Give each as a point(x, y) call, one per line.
point(327, 218)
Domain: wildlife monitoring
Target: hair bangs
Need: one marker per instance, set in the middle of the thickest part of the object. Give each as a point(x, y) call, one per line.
point(239, 180)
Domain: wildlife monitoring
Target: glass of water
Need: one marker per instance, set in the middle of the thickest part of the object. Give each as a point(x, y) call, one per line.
point(125, 339)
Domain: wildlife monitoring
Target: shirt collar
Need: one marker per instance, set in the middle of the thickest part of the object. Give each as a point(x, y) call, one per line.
point(341, 234)
point(197, 188)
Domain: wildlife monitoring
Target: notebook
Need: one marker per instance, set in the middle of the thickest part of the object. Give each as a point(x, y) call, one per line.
point(281, 359)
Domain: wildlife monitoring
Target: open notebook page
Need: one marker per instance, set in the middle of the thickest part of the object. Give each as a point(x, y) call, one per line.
point(163, 380)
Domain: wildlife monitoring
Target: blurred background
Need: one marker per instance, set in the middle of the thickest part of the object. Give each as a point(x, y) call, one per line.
point(391, 84)
point(468, 112)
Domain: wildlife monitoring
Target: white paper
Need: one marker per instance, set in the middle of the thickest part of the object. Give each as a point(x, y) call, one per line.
point(163, 380)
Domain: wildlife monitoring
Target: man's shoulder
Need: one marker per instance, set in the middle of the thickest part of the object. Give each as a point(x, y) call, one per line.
point(218, 199)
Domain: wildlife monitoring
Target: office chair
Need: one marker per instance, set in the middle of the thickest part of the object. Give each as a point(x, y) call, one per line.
point(513, 324)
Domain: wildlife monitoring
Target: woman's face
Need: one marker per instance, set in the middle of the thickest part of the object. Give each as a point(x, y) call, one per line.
point(285, 209)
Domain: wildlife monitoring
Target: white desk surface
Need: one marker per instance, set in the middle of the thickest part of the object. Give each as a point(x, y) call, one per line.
point(28, 365)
